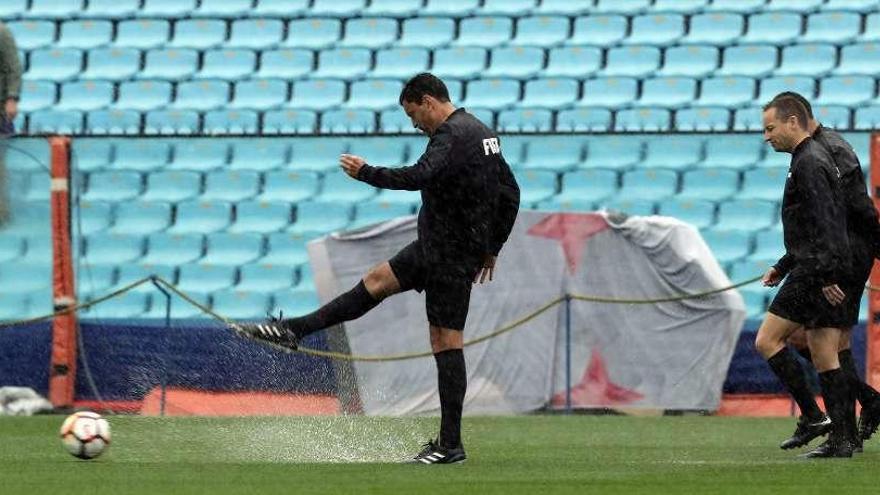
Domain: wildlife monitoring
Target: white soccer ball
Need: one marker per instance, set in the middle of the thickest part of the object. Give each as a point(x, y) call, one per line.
point(85, 434)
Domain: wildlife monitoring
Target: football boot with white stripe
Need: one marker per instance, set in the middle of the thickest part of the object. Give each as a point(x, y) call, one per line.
point(433, 453)
point(271, 331)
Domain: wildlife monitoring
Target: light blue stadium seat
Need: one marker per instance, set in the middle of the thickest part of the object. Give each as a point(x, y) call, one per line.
point(102, 247)
point(400, 62)
point(650, 185)
point(747, 215)
point(56, 64)
point(772, 86)
point(427, 32)
point(261, 216)
point(755, 302)
point(142, 33)
point(768, 245)
point(702, 119)
point(668, 92)
point(348, 121)
point(563, 7)
point(715, 28)
point(749, 61)
point(587, 186)
point(383, 152)
point(33, 34)
point(89, 154)
point(656, 29)
point(369, 32)
point(699, 213)
point(55, 122)
point(635, 207)
point(709, 184)
point(201, 95)
point(748, 119)
point(301, 300)
point(232, 249)
point(846, 90)
point(280, 8)
point(172, 64)
point(54, 9)
point(201, 217)
point(374, 94)
point(775, 159)
point(113, 122)
point(259, 154)
point(14, 306)
point(872, 28)
point(550, 93)
point(337, 8)
point(613, 152)
point(775, 28)
point(31, 220)
point(85, 95)
point(808, 60)
point(689, 61)
point(536, 185)
point(862, 6)
point(805, 6)
point(371, 212)
point(174, 9)
point(764, 183)
point(123, 306)
point(832, 27)
point(338, 187)
point(726, 91)
point(317, 94)
point(859, 59)
point(286, 63)
point(166, 249)
point(287, 249)
point(117, 185)
point(610, 92)
point(313, 33)
point(112, 9)
point(514, 8)
point(219, 122)
point(631, 61)
point(266, 277)
point(237, 304)
point(223, 8)
point(525, 120)
point(867, 118)
point(227, 64)
point(200, 154)
point(141, 217)
point(343, 63)
point(461, 8)
point(290, 122)
point(205, 277)
point(680, 6)
point(259, 94)
point(834, 116)
point(599, 30)
point(573, 61)
point(13, 9)
point(37, 95)
point(200, 34)
point(672, 152)
point(172, 186)
point(93, 216)
point(143, 155)
point(96, 279)
point(728, 246)
point(312, 216)
point(461, 62)
point(518, 62)
point(493, 94)
point(487, 32)
point(393, 8)
point(26, 277)
point(556, 204)
point(544, 31)
point(84, 34)
point(643, 119)
point(38, 187)
point(581, 119)
point(559, 154)
point(115, 64)
point(231, 185)
point(628, 7)
point(394, 121)
point(256, 34)
point(317, 154)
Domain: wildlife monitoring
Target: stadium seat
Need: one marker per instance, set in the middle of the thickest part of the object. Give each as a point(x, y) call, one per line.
point(123, 306)
point(85, 95)
point(343, 63)
point(631, 61)
point(861, 6)
point(115, 64)
point(610, 92)
point(231, 185)
point(199, 34)
point(84, 34)
point(172, 186)
point(487, 32)
point(201, 217)
point(655, 29)
point(261, 216)
point(227, 64)
point(643, 119)
point(765, 183)
point(113, 122)
point(699, 213)
point(38, 187)
point(93, 216)
point(286, 249)
point(493, 94)
point(96, 279)
point(55, 122)
point(768, 245)
point(143, 155)
point(349, 121)
point(117, 185)
point(581, 119)
point(832, 27)
point(317, 94)
point(401, 63)
point(850, 91)
point(859, 59)
point(54, 9)
point(371, 212)
point(559, 154)
point(672, 152)
point(381, 151)
point(37, 95)
point(370, 33)
point(173, 9)
point(525, 120)
point(747, 215)
point(805, 6)
point(636, 207)
point(285, 64)
point(232, 249)
point(716, 28)
point(872, 28)
point(536, 185)
point(679, 6)
point(709, 184)
point(813, 60)
point(142, 33)
point(772, 86)
point(317, 154)
point(726, 91)
point(393, 121)
point(461, 8)
point(239, 304)
point(573, 61)
point(459, 62)
point(199, 154)
point(749, 61)
point(557, 204)
point(393, 8)
point(89, 154)
point(374, 94)
point(337, 187)
point(201, 95)
point(313, 33)
point(544, 31)
point(689, 61)
point(613, 152)
point(259, 94)
point(599, 30)
point(702, 119)
point(588, 185)
point(267, 277)
point(834, 116)
point(515, 62)
point(867, 118)
point(775, 159)
point(290, 122)
point(514, 8)
point(628, 7)
point(562, 7)
point(427, 32)
point(337, 8)
point(111, 9)
point(55, 64)
point(748, 119)
point(776, 28)
point(219, 122)
point(223, 8)
point(259, 154)
point(102, 247)
point(667, 92)
point(280, 8)
point(32, 34)
point(205, 277)
point(301, 300)
point(728, 246)
point(312, 216)
point(551, 93)
point(171, 64)
point(650, 185)
point(166, 249)
point(141, 217)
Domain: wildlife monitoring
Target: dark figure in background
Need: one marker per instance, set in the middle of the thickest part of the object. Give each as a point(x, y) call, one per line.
point(469, 203)
point(10, 88)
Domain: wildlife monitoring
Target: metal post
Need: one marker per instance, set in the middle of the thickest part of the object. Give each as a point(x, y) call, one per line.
point(164, 380)
point(567, 354)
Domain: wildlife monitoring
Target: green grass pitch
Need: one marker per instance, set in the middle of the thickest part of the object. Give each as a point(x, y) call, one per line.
point(534, 455)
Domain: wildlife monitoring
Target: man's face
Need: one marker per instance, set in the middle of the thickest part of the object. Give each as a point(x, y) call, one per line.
point(779, 133)
point(420, 114)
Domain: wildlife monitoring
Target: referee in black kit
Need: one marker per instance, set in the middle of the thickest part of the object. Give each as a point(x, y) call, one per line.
point(817, 264)
point(469, 203)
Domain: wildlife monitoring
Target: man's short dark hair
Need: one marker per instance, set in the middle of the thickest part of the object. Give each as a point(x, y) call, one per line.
point(788, 106)
point(798, 97)
point(421, 85)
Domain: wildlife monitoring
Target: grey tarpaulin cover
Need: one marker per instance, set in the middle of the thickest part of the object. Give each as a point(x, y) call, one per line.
point(671, 355)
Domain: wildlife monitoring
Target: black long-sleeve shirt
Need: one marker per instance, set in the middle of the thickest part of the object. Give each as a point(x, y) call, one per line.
point(470, 197)
point(814, 216)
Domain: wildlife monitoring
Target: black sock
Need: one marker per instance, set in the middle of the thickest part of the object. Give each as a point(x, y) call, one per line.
point(791, 374)
point(346, 307)
point(840, 403)
point(452, 384)
point(864, 392)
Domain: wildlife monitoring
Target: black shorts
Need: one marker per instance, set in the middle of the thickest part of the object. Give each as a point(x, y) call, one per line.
point(800, 300)
point(853, 288)
point(447, 287)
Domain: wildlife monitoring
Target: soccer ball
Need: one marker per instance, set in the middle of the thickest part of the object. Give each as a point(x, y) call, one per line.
point(85, 434)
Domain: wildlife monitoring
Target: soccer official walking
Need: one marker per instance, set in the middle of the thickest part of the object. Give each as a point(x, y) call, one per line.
point(470, 201)
point(817, 263)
